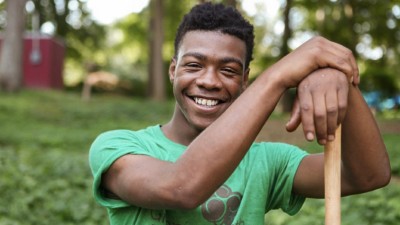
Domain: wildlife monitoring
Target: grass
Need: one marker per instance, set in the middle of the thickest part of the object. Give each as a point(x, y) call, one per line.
point(44, 173)
point(44, 142)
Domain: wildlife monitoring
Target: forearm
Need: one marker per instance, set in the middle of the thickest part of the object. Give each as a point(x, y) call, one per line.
point(218, 150)
point(365, 160)
point(214, 152)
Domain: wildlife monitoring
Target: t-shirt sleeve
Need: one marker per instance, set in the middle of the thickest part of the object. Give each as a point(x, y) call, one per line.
point(105, 149)
point(286, 160)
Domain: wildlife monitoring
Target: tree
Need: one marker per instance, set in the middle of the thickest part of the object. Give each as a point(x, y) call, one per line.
point(364, 26)
point(232, 3)
point(12, 47)
point(287, 32)
point(72, 22)
point(156, 73)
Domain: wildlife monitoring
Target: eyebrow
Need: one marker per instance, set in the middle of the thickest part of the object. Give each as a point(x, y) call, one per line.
point(200, 56)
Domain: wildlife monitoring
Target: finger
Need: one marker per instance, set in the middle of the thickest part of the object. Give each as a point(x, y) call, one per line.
point(354, 76)
point(331, 54)
point(342, 98)
point(320, 118)
point(306, 112)
point(295, 118)
point(331, 101)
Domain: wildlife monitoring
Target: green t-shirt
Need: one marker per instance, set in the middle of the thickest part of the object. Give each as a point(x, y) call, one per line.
point(262, 181)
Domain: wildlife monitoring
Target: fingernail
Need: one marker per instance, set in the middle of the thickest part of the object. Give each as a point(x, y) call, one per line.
point(331, 137)
point(310, 136)
point(322, 141)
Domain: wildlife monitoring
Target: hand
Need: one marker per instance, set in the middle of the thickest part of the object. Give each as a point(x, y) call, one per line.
point(314, 54)
point(320, 104)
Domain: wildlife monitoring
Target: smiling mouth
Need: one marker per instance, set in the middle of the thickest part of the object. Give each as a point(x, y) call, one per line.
point(206, 102)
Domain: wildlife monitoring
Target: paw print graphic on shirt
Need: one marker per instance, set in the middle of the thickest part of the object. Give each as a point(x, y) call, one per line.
point(222, 207)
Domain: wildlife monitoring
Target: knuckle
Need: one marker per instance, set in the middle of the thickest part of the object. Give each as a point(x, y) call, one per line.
point(318, 39)
point(305, 107)
point(331, 110)
point(342, 106)
point(303, 88)
point(341, 61)
point(319, 115)
point(349, 53)
point(342, 78)
point(317, 50)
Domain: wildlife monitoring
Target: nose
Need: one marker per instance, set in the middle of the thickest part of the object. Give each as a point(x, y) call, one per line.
point(209, 80)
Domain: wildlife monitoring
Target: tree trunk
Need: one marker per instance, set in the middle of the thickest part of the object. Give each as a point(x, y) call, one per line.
point(287, 32)
point(287, 99)
point(156, 83)
point(12, 47)
point(349, 7)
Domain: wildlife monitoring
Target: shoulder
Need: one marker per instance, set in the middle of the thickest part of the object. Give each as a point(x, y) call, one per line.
point(121, 136)
point(110, 145)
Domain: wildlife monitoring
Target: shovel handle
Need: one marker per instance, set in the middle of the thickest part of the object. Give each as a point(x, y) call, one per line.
point(332, 172)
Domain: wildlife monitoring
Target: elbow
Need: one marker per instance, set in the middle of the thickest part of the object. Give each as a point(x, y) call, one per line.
point(187, 200)
point(188, 194)
point(383, 177)
point(181, 196)
point(377, 176)
point(376, 181)
point(189, 204)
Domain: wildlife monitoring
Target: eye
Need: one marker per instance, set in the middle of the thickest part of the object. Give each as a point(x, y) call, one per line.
point(192, 67)
point(229, 71)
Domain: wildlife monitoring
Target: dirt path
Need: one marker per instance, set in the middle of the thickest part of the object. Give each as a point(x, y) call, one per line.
point(274, 130)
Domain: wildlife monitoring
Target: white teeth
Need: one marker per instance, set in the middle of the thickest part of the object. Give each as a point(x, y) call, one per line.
point(205, 102)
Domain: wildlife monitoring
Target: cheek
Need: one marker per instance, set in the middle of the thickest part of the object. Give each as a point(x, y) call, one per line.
point(179, 84)
point(235, 87)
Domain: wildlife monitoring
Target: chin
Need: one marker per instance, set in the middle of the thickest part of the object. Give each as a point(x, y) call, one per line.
point(200, 126)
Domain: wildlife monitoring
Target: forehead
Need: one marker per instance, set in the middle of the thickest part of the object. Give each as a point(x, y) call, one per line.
point(212, 43)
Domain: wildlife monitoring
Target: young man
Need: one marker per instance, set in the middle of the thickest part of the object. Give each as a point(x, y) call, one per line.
point(203, 166)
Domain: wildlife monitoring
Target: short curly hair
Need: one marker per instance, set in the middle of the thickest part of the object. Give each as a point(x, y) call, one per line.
point(217, 17)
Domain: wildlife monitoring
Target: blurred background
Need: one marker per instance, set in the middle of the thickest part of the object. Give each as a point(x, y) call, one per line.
point(71, 69)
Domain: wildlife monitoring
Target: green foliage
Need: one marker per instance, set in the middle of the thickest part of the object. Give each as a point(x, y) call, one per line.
point(378, 79)
point(362, 26)
point(374, 208)
point(72, 23)
point(44, 142)
point(392, 145)
point(45, 178)
point(46, 186)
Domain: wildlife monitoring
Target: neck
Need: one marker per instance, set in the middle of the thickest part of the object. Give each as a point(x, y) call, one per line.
point(178, 129)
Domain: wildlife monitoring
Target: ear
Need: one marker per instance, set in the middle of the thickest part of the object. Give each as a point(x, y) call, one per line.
point(245, 82)
point(171, 70)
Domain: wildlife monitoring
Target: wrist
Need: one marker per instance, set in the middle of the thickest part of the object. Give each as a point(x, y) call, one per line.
point(275, 78)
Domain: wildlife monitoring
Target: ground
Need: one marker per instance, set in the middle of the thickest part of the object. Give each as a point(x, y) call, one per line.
point(274, 130)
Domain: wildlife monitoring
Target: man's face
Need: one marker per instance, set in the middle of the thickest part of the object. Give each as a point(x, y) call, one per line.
point(208, 74)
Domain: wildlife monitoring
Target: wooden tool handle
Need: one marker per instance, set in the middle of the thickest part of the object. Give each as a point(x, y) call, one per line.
point(332, 180)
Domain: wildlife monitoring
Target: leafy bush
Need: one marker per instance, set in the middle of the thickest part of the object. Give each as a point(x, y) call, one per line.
point(46, 186)
point(45, 177)
point(380, 207)
point(44, 140)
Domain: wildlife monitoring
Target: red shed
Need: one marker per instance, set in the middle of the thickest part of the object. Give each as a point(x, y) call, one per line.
point(43, 62)
point(44, 70)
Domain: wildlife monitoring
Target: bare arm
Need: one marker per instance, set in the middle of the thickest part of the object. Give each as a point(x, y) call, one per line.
point(365, 163)
point(211, 157)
